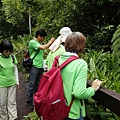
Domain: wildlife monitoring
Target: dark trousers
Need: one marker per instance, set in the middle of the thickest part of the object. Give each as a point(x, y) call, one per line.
point(33, 83)
point(73, 119)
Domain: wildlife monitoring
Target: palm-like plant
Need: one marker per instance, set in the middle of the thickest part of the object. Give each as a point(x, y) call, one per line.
point(116, 46)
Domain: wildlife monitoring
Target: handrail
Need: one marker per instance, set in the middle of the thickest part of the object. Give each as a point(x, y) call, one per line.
point(107, 98)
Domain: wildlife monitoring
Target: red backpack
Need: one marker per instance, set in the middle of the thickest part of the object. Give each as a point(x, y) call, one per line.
point(49, 100)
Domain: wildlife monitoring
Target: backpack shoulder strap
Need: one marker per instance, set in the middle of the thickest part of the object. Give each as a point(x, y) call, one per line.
point(36, 53)
point(68, 61)
point(13, 57)
point(55, 63)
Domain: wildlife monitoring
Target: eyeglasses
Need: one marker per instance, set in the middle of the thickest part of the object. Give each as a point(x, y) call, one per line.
point(6, 51)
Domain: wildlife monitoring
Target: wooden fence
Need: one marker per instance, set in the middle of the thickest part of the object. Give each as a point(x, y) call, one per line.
point(107, 98)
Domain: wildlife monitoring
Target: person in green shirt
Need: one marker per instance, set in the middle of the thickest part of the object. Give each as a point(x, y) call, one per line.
point(57, 48)
point(74, 76)
point(8, 82)
point(35, 72)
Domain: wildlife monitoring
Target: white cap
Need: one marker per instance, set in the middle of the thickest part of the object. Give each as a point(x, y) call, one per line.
point(64, 32)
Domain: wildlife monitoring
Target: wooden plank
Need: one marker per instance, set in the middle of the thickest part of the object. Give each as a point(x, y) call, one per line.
point(107, 98)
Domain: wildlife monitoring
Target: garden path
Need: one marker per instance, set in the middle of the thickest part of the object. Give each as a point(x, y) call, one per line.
point(21, 97)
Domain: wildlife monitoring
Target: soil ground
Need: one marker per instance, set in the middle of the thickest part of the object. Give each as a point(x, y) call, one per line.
point(21, 98)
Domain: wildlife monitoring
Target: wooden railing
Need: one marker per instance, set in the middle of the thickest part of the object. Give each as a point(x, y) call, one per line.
point(107, 98)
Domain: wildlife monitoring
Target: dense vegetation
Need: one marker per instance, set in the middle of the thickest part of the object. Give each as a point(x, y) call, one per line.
point(98, 20)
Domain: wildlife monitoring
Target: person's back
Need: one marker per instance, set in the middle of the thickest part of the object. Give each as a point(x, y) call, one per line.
point(74, 76)
point(57, 48)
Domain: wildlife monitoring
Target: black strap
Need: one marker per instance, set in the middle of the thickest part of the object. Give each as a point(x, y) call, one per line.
point(36, 54)
point(13, 57)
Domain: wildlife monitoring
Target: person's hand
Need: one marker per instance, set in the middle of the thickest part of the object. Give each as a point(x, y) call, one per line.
point(96, 84)
point(52, 40)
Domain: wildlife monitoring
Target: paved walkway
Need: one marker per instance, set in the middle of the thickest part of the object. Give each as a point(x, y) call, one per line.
point(21, 97)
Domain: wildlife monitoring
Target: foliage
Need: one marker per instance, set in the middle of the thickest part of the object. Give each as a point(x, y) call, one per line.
point(14, 10)
point(101, 38)
point(31, 116)
point(96, 19)
point(15, 18)
point(102, 66)
point(98, 111)
point(116, 46)
point(93, 18)
point(20, 46)
point(4, 26)
point(80, 16)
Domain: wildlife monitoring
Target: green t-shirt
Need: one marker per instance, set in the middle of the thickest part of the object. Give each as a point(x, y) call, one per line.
point(74, 77)
point(51, 56)
point(33, 47)
point(7, 74)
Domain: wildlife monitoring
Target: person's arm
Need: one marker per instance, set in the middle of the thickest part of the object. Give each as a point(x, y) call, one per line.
point(47, 45)
point(80, 91)
point(16, 75)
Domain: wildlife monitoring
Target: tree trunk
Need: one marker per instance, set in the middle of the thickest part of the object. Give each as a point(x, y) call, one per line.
point(30, 22)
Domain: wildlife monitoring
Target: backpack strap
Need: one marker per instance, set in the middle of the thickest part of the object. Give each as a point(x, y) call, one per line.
point(12, 56)
point(55, 63)
point(68, 61)
point(36, 53)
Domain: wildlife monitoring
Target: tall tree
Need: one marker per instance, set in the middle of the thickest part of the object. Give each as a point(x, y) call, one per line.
point(15, 16)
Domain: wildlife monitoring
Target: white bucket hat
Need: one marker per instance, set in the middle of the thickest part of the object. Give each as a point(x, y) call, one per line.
point(64, 32)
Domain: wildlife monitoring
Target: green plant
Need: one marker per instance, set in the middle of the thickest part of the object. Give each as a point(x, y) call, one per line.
point(101, 65)
point(31, 116)
point(116, 46)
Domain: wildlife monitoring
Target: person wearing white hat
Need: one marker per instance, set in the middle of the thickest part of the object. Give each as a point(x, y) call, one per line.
point(57, 48)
